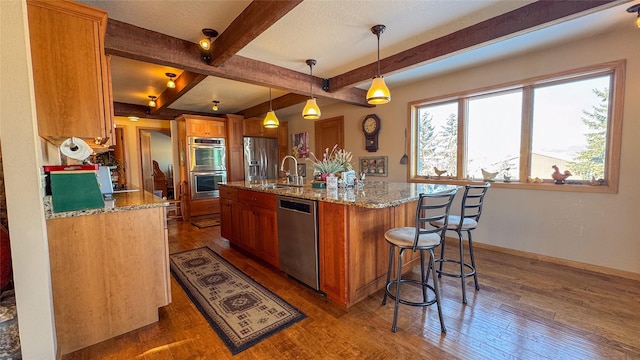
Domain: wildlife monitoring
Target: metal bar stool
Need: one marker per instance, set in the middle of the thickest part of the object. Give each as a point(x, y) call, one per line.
point(468, 219)
point(422, 237)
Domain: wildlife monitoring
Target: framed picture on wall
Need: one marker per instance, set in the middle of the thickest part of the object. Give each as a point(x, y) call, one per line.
point(300, 145)
point(302, 170)
point(373, 166)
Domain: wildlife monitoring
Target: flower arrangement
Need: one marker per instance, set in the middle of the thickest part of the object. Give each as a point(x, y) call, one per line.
point(334, 161)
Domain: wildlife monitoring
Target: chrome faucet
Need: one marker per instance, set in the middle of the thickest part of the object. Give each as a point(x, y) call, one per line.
point(297, 180)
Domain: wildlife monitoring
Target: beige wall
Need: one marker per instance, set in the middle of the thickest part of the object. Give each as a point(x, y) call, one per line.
point(133, 144)
point(22, 160)
point(590, 228)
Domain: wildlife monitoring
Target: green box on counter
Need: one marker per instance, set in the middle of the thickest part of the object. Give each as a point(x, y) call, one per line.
point(75, 190)
point(318, 184)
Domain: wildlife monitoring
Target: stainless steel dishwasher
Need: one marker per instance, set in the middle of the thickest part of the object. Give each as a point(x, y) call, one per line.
point(298, 239)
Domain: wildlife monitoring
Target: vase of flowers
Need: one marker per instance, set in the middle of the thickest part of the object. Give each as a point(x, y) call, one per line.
point(333, 162)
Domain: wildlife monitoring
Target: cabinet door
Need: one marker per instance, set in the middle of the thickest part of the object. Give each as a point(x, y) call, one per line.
point(196, 127)
point(216, 129)
point(250, 229)
point(268, 235)
point(69, 69)
point(230, 220)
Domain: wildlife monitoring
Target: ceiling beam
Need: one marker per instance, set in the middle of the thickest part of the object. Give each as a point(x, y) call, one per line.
point(142, 111)
point(253, 21)
point(185, 82)
point(277, 103)
point(132, 42)
point(506, 25)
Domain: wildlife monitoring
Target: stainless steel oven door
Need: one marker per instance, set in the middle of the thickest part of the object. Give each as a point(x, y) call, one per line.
point(205, 156)
point(206, 184)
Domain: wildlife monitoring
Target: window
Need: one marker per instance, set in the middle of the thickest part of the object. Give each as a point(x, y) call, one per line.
point(517, 134)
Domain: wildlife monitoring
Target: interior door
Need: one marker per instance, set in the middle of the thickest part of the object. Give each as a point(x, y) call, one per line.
point(329, 132)
point(147, 163)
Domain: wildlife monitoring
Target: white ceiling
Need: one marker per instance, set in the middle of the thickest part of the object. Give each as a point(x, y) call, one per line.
point(336, 33)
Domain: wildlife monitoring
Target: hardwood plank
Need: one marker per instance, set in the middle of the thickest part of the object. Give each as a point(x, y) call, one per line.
point(526, 308)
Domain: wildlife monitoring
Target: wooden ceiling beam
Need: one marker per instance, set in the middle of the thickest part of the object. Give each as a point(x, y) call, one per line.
point(257, 17)
point(505, 25)
point(281, 102)
point(185, 82)
point(132, 42)
point(141, 111)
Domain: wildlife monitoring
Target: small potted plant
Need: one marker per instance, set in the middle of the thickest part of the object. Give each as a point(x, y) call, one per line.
point(333, 162)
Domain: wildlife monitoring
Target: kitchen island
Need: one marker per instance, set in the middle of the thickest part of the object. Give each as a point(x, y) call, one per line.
point(353, 254)
point(109, 268)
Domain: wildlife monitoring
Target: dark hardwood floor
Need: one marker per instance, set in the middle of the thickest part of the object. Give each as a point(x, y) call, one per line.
point(525, 309)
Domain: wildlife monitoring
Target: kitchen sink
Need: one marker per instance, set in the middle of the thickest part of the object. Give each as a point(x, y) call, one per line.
point(275, 186)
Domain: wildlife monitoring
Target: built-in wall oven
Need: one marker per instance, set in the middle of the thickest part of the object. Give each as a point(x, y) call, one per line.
point(206, 184)
point(207, 166)
point(207, 154)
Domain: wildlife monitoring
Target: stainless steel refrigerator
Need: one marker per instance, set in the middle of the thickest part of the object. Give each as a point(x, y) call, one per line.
point(260, 159)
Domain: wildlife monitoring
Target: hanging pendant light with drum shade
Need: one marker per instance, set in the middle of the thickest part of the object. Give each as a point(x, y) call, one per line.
point(270, 121)
point(311, 110)
point(378, 93)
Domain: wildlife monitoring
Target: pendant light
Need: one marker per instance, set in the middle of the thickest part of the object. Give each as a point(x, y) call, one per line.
point(215, 105)
point(270, 121)
point(311, 110)
point(152, 102)
point(378, 92)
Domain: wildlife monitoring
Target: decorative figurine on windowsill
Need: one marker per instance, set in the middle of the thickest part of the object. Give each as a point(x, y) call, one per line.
point(488, 176)
point(507, 175)
point(558, 177)
point(439, 172)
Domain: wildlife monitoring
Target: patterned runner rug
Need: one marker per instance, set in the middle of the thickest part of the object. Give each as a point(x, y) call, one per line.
point(239, 309)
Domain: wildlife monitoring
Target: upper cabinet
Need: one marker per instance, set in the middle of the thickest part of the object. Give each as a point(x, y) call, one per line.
point(254, 127)
point(70, 70)
point(205, 126)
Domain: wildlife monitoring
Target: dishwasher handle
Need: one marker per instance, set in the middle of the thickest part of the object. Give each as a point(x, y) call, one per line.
point(296, 206)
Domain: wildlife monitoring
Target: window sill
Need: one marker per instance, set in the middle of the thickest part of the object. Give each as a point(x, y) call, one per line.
point(546, 186)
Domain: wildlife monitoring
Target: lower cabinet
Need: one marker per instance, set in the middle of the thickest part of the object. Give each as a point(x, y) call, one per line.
point(249, 222)
point(204, 207)
point(109, 274)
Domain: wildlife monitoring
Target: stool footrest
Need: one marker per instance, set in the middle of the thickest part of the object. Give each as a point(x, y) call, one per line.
point(412, 303)
point(456, 275)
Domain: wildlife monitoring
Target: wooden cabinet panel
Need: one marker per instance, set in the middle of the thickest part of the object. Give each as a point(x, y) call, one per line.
point(251, 222)
point(206, 128)
point(253, 127)
point(71, 80)
point(235, 170)
point(109, 274)
point(353, 252)
point(204, 206)
point(234, 130)
point(258, 199)
point(332, 247)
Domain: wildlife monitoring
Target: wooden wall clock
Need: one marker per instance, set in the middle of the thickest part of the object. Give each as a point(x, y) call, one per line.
point(371, 129)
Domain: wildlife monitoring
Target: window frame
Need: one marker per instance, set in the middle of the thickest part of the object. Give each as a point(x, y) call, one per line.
point(617, 70)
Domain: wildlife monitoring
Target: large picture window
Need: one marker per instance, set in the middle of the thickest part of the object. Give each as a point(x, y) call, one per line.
point(520, 134)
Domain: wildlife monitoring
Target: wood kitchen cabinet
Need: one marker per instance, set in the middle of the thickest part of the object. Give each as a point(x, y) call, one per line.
point(230, 215)
point(204, 206)
point(250, 223)
point(205, 126)
point(70, 71)
point(235, 148)
point(109, 274)
point(352, 237)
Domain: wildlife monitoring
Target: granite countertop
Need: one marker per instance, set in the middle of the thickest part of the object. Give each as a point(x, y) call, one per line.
point(374, 194)
point(125, 201)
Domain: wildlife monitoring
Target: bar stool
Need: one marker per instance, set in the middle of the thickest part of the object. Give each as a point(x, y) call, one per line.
point(470, 211)
point(422, 237)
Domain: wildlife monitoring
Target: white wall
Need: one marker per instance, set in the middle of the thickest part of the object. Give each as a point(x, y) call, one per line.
point(595, 229)
point(21, 152)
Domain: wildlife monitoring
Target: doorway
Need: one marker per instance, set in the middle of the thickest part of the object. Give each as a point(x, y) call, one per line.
point(156, 162)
